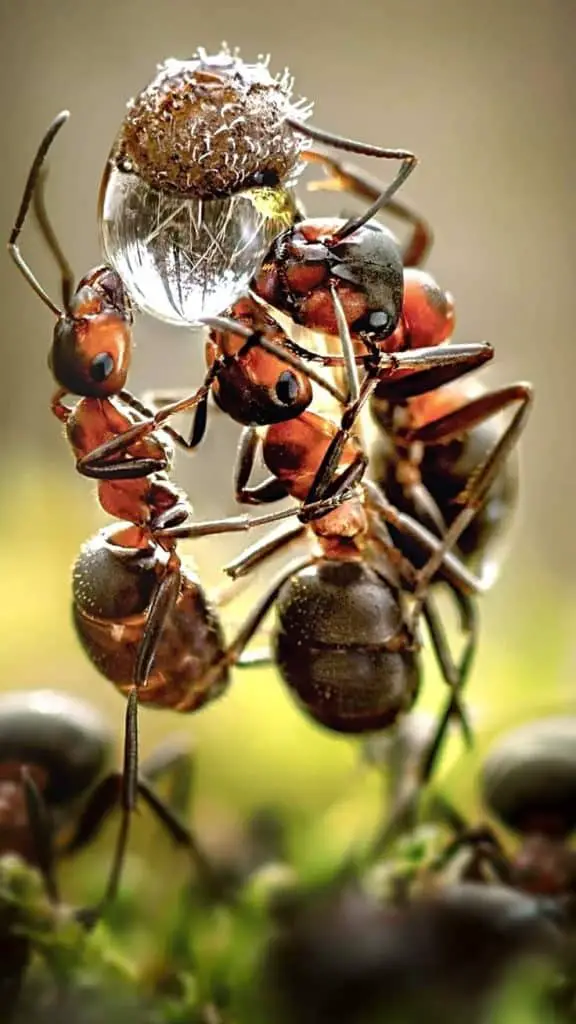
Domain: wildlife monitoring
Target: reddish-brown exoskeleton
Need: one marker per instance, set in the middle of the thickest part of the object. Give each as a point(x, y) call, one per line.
point(142, 617)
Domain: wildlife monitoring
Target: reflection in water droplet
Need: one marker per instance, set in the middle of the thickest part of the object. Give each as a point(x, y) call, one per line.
point(182, 258)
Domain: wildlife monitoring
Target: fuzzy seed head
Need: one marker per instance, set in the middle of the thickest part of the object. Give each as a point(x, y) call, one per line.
point(211, 127)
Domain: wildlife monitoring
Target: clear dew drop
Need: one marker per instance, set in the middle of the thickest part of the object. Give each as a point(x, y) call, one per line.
point(181, 258)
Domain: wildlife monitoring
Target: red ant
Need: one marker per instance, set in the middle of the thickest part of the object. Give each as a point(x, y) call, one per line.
point(142, 617)
point(343, 642)
point(435, 430)
point(434, 437)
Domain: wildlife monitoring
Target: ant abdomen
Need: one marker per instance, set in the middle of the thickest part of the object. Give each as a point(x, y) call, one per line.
point(342, 648)
point(64, 743)
point(113, 587)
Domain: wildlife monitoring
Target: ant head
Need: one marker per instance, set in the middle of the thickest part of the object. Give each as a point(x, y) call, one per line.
point(256, 386)
point(92, 341)
point(308, 261)
point(90, 352)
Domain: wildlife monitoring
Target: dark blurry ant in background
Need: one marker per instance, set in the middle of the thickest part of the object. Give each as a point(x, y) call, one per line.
point(340, 954)
point(56, 790)
point(142, 617)
point(56, 786)
point(528, 783)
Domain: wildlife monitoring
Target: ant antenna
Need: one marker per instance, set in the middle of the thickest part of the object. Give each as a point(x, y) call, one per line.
point(29, 190)
point(49, 236)
point(409, 161)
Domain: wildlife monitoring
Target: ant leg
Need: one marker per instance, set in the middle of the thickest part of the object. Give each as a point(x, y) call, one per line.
point(172, 761)
point(336, 490)
point(168, 760)
point(408, 163)
point(160, 606)
point(60, 411)
point(262, 549)
point(483, 841)
point(155, 402)
point(453, 569)
point(451, 360)
point(42, 832)
point(462, 672)
point(102, 802)
point(270, 490)
point(236, 648)
point(343, 177)
point(98, 462)
point(239, 524)
point(482, 479)
point(434, 375)
point(458, 422)
point(451, 675)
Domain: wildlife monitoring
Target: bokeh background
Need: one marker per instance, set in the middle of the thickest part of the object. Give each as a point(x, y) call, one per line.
point(485, 94)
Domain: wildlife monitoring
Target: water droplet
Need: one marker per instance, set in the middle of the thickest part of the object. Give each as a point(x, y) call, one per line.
point(184, 258)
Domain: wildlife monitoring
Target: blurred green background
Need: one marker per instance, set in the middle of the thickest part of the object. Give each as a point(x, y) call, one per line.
point(484, 93)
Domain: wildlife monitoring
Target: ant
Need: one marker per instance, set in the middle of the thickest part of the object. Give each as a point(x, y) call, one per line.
point(433, 437)
point(56, 790)
point(56, 787)
point(528, 783)
point(343, 642)
point(435, 431)
point(142, 617)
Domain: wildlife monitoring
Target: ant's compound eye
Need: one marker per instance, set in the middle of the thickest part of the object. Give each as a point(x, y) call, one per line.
point(267, 179)
point(101, 367)
point(382, 322)
point(287, 388)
